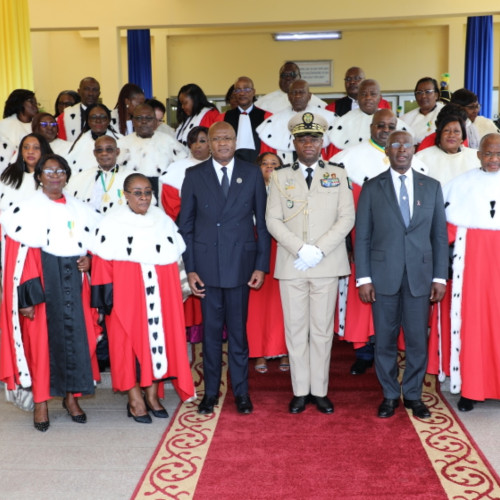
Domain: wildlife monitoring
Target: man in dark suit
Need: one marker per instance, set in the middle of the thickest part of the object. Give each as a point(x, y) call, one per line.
point(226, 253)
point(401, 256)
point(245, 119)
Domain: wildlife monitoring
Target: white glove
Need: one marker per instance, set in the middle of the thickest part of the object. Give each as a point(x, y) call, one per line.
point(311, 255)
point(300, 265)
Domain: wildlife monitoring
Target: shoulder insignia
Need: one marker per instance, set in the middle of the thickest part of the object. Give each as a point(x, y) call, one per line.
point(321, 163)
point(295, 165)
point(333, 164)
point(282, 167)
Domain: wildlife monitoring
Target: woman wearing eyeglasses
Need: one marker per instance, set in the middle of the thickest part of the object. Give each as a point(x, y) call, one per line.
point(49, 331)
point(16, 181)
point(46, 125)
point(422, 119)
point(97, 123)
point(135, 279)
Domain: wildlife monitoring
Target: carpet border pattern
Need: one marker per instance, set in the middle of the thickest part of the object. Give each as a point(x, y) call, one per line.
point(176, 465)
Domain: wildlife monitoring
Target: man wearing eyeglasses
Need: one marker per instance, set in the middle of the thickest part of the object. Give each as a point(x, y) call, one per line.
point(401, 255)
point(147, 151)
point(245, 119)
point(277, 101)
point(362, 162)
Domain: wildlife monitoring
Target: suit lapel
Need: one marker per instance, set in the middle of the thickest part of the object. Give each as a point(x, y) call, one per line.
point(212, 181)
point(238, 183)
point(419, 191)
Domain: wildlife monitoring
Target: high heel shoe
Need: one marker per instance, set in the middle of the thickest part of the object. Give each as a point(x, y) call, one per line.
point(141, 419)
point(41, 426)
point(157, 413)
point(79, 419)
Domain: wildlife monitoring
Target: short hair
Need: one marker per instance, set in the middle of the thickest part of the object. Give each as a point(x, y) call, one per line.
point(286, 63)
point(131, 178)
point(156, 104)
point(261, 157)
point(193, 134)
point(43, 160)
point(428, 79)
point(75, 95)
point(463, 97)
point(448, 119)
point(451, 109)
point(14, 173)
point(15, 102)
point(128, 91)
point(199, 98)
point(229, 94)
point(35, 123)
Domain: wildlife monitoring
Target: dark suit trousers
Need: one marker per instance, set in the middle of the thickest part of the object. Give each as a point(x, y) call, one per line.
point(390, 312)
point(227, 306)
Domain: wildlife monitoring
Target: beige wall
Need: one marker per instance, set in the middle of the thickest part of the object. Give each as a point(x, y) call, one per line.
point(214, 47)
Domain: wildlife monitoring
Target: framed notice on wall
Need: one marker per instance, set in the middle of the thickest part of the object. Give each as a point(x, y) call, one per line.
point(316, 73)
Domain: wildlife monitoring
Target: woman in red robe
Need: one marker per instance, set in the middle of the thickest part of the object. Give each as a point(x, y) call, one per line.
point(135, 280)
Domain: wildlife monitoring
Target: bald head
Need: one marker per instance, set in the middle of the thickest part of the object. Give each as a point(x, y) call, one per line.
point(244, 92)
point(384, 122)
point(489, 152)
point(222, 142)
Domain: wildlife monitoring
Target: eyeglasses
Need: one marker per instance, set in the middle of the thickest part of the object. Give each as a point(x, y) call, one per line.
point(240, 91)
point(54, 173)
point(289, 74)
point(144, 118)
point(222, 139)
point(147, 193)
point(48, 124)
point(490, 154)
point(424, 92)
point(353, 79)
point(109, 149)
point(397, 145)
point(98, 118)
point(473, 106)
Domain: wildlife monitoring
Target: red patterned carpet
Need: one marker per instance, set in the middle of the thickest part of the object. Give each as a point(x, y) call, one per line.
point(351, 454)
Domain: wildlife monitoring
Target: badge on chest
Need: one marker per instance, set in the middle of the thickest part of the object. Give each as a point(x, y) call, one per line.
point(329, 180)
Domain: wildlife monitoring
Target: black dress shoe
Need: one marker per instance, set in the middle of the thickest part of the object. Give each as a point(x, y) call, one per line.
point(465, 404)
point(418, 407)
point(243, 404)
point(298, 404)
point(323, 404)
point(157, 413)
point(360, 366)
point(387, 407)
point(207, 404)
point(79, 419)
point(140, 419)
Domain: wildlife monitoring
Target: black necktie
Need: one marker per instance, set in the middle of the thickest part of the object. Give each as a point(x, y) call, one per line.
point(225, 182)
point(309, 177)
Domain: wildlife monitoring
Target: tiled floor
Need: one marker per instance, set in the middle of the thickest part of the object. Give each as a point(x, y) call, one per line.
point(105, 458)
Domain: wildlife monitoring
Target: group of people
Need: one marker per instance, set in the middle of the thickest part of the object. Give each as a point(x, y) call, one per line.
point(101, 209)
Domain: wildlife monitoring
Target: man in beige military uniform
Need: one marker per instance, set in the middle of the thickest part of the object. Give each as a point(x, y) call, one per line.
point(310, 211)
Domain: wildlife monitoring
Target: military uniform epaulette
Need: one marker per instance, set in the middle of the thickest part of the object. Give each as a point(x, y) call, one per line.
point(340, 165)
point(295, 165)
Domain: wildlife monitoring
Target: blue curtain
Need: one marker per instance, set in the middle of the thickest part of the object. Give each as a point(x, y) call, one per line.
point(479, 60)
point(139, 60)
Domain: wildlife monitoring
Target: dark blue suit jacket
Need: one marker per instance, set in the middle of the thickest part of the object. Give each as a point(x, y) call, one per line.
point(224, 242)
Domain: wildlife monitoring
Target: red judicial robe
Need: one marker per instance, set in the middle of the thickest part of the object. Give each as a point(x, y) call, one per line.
point(54, 353)
point(471, 334)
point(135, 278)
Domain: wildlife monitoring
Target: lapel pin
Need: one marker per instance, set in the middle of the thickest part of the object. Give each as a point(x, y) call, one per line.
point(418, 203)
point(239, 180)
